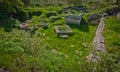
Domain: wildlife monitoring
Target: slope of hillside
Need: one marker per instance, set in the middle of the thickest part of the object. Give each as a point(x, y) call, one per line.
point(43, 51)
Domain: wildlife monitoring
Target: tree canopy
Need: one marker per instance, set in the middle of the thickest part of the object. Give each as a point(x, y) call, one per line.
point(9, 6)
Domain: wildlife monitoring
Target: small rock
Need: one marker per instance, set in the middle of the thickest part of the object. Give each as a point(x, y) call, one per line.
point(118, 15)
point(44, 26)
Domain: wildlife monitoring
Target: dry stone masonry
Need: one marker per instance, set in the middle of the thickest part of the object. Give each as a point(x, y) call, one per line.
point(98, 42)
point(73, 19)
point(99, 39)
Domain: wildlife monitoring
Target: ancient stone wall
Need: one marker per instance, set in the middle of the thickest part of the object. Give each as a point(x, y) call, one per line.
point(98, 43)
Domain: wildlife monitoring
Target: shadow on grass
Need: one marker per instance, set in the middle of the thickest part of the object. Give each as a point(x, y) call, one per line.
point(84, 26)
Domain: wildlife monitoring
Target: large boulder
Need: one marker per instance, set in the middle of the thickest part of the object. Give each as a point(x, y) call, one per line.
point(73, 19)
point(94, 17)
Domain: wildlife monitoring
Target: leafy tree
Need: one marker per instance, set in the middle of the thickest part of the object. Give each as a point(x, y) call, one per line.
point(8, 9)
point(9, 6)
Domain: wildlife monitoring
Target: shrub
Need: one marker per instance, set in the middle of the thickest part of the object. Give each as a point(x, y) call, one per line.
point(59, 22)
point(8, 22)
point(12, 47)
point(51, 13)
point(22, 14)
point(34, 13)
point(54, 18)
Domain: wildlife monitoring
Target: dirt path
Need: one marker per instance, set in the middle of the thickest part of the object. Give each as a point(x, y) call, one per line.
point(98, 43)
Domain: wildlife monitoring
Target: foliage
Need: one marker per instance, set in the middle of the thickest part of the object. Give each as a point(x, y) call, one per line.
point(46, 52)
point(112, 31)
point(9, 6)
point(21, 15)
point(8, 23)
point(26, 2)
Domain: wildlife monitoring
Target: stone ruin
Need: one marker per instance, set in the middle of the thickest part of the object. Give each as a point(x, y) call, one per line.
point(24, 26)
point(73, 19)
point(63, 31)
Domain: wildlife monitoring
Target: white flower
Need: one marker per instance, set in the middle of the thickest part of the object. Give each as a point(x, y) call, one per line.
point(44, 34)
point(72, 45)
point(66, 56)
point(47, 38)
point(84, 44)
point(54, 51)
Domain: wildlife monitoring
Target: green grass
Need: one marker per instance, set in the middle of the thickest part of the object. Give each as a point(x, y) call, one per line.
point(45, 51)
point(112, 34)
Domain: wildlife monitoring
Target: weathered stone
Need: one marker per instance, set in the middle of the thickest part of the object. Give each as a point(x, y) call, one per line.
point(63, 36)
point(94, 17)
point(118, 15)
point(24, 26)
point(99, 39)
point(73, 19)
point(63, 31)
point(44, 26)
point(98, 42)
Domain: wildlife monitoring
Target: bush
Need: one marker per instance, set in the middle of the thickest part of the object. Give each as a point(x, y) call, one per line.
point(51, 13)
point(54, 18)
point(34, 13)
point(12, 47)
point(59, 22)
point(8, 22)
point(22, 14)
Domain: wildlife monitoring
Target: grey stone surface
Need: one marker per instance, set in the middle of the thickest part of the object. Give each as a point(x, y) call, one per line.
point(24, 26)
point(44, 26)
point(60, 33)
point(98, 42)
point(94, 17)
point(73, 19)
point(118, 16)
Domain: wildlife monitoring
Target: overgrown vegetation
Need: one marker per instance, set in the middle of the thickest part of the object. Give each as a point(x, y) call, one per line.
point(44, 51)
